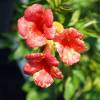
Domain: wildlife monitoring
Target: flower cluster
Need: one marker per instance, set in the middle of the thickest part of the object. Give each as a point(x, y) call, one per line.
point(39, 30)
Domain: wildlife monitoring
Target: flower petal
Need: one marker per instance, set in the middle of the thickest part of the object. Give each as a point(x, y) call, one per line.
point(68, 55)
point(55, 72)
point(59, 48)
point(49, 32)
point(72, 33)
point(30, 70)
point(34, 12)
point(59, 38)
point(43, 78)
point(78, 45)
point(48, 18)
point(36, 40)
point(51, 60)
point(34, 58)
point(25, 27)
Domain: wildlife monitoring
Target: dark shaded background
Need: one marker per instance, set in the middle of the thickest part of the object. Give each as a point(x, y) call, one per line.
point(11, 79)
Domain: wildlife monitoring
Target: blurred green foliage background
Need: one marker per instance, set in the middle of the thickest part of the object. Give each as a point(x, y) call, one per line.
point(82, 80)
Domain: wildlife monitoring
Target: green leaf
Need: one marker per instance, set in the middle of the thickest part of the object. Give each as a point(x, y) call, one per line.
point(32, 95)
point(90, 23)
point(98, 44)
point(87, 85)
point(51, 3)
point(79, 74)
point(94, 66)
point(97, 27)
point(60, 17)
point(69, 89)
point(75, 81)
point(20, 52)
point(65, 7)
point(75, 18)
point(90, 34)
point(26, 87)
point(97, 83)
point(80, 24)
point(57, 2)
